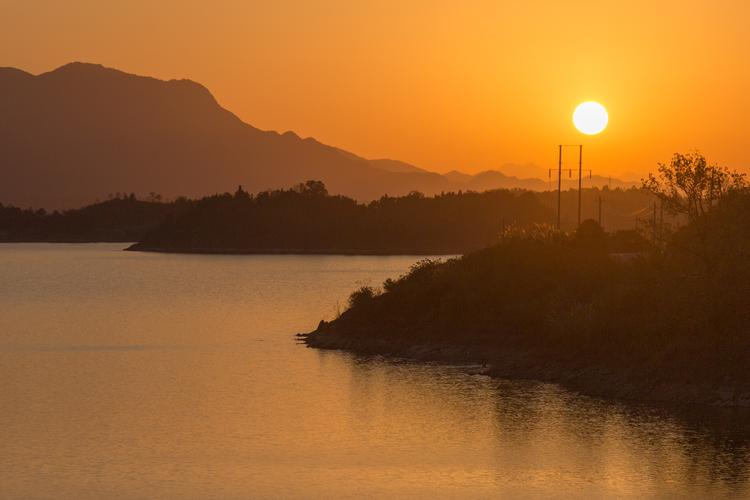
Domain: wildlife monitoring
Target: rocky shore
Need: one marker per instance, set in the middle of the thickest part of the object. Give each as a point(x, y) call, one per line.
point(517, 363)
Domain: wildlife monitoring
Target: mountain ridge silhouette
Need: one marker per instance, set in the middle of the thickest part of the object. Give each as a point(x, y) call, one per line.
point(75, 134)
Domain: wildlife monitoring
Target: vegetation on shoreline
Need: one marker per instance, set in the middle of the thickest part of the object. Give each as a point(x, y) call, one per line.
point(306, 219)
point(121, 218)
point(677, 313)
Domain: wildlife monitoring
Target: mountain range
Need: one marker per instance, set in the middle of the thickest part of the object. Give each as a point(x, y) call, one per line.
point(76, 134)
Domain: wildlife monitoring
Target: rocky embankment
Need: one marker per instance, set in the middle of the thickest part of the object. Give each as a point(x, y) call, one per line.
point(517, 363)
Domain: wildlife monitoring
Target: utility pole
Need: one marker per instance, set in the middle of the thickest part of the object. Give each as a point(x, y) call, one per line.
point(559, 182)
point(661, 220)
point(580, 164)
point(600, 211)
point(653, 220)
point(570, 174)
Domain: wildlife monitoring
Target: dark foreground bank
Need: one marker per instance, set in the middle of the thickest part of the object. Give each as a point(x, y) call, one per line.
point(514, 362)
point(668, 325)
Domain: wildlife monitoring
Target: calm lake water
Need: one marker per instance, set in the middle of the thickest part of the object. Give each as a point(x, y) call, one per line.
point(134, 375)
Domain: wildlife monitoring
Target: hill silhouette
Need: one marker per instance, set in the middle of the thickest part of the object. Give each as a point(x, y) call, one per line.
point(608, 314)
point(306, 219)
point(655, 314)
point(122, 218)
point(71, 136)
point(77, 133)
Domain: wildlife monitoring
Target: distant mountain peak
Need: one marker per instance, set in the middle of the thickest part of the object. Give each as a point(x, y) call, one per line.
point(98, 75)
point(81, 65)
point(83, 68)
point(457, 176)
point(8, 72)
point(486, 173)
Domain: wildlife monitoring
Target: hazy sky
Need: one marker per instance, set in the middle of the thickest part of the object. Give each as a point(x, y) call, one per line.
point(445, 85)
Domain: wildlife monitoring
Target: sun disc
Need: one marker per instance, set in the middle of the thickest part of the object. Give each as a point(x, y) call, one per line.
point(590, 117)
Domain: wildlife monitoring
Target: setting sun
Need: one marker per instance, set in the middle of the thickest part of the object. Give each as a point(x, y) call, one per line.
point(590, 118)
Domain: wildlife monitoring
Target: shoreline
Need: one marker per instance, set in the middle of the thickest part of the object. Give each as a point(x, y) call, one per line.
point(513, 363)
point(68, 241)
point(280, 251)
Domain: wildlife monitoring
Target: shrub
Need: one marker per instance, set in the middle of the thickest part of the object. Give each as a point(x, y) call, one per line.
point(362, 296)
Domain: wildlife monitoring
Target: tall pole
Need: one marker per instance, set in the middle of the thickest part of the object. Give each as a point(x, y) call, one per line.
point(580, 173)
point(559, 182)
point(600, 210)
point(661, 220)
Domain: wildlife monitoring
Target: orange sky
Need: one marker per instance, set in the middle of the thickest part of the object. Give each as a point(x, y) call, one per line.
point(444, 85)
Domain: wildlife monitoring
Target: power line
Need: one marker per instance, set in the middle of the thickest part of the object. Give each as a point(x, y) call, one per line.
point(570, 174)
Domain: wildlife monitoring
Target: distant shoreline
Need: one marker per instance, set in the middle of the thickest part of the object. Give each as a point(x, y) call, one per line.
point(278, 251)
point(67, 242)
point(135, 247)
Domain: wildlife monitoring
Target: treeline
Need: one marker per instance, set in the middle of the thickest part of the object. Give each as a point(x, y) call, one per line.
point(620, 209)
point(307, 219)
point(123, 218)
point(671, 322)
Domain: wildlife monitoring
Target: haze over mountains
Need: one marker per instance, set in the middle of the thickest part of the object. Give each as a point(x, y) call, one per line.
point(73, 135)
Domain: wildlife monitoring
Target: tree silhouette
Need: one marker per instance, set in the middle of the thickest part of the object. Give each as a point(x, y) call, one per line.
point(690, 186)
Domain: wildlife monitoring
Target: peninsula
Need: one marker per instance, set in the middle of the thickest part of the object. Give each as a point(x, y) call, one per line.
point(668, 323)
